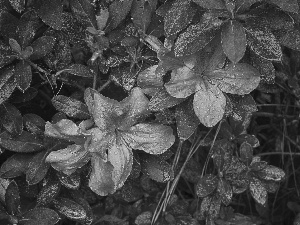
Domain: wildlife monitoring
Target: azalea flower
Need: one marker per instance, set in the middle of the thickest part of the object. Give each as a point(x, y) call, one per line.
point(107, 140)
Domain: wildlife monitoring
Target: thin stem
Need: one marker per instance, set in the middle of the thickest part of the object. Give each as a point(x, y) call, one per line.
point(107, 83)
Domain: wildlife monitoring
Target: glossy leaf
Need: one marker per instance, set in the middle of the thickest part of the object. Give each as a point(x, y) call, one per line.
point(157, 168)
point(49, 191)
point(15, 166)
point(34, 123)
point(141, 13)
point(291, 39)
point(70, 209)
point(40, 215)
point(243, 5)
point(26, 142)
point(71, 181)
point(102, 19)
point(222, 154)
point(258, 191)
point(15, 45)
point(234, 40)
point(246, 153)
point(214, 208)
point(11, 119)
point(7, 88)
point(225, 191)
point(262, 41)
point(84, 11)
point(7, 55)
point(42, 46)
point(18, 5)
point(271, 173)
point(70, 106)
point(23, 75)
point(79, 70)
point(50, 12)
point(211, 4)
point(78, 198)
point(162, 100)
point(12, 199)
point(204, 207)
point(178, 17)
point(8, 24)
point(287, 5)
point(206, 185)
point(197, 36)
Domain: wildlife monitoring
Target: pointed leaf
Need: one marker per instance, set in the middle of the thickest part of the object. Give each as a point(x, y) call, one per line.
point(40, 215)
point(18, 5)
point(23, 75)
point(11, 119)
point(141, 13)
point(84, 11)
point(291, 39)
point(243, 5)
point(209, 104)
point(71, 181)
point(71, 107)
point(42, 46)
point(206, 185)
point(214, 208)
point(238, 79)
point(211, 4)
point(178, 17)
point(8, 24)
point(246, 153)
point(3, 186)
point(156, 168)
point(7, 88)
point(197, 36)
point(34, 123)
point(80, 70)
point(225, 191)
point(287, 5)
point(271, 173)
point(15, 165)
point(15, 45)
point(262, 41)
point(12, 198)
point(162, 100)
point(102, 19)
point(50, 12)
point(7, 55)
point(258, 191)
point(49, 191)
point(26, 142)
point(234, 40)
point(78, 198)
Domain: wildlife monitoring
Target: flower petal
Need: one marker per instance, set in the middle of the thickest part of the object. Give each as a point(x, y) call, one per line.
point(69, 159)
point(134, 106)
point(151, 138)
point(101, 176)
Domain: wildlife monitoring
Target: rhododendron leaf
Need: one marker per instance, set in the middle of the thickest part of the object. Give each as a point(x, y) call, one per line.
point(258, 191)
point(209, 104)
point(238, 79)
point(101, 181)
point(151, 138)
point(68, 159)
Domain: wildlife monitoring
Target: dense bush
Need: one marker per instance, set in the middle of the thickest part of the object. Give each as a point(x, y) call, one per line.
point(149, 112)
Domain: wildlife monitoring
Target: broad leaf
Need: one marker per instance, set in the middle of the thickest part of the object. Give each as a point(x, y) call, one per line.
point(291, 39)
point(211, 4)
point(214, 208)
point(11, 119)
point(50, 12)
point(79, 70)
point(234, 40)
point(40, 215)
point(222, 154)
point(246, 153)
point(71, 181)
point(49, 191)
point(12, 198)
point(23, 75)
point(8, 24)
point(178, 17)
point(3, 186)
point(42, 46)
point(204, 207)
point(271, 173)
point(262, 41)
point(287, 5)
point(78, 198)
point(238, 79)
point(141, 13)
point(258, 191)
point(34, 123)
point(102, 19)
point(15, 45)
point(162, 100)
point(243, 5)
point(15, 165)
point(7, 88)
point(84, 11)
point(225, 191)
point(7, 55)
point(206, 185)
point(197, 36)
point(71, 107)
point(25, 142)
point(18, 5)
point(209, 104)
point(156, 168)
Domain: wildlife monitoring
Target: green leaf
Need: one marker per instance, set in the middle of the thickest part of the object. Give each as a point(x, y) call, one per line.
point(102, 19)
point(11, 119)
point(83, 10)
point(287, 5)
point(156, 168)
point(49, 191)
point(262, 41)
point(8, 24)
point(209, 104)
point(272, 173)
point(178, 17)
point(246, 153)
point(7, 87)
point(243, 5)
point(162, 100)
point(206, 185)
point(70, 209)
point(141, 13)
point(71, 107)
point(18, 5)
point(7, 55)
point(39, 215)
point(12, 198)
point(23, 75)
point(15, 46)
point(118, 11)
point(23, 143)
point(78, 198)
point(197, 36)
point(71, 181)
point(34, 123)
point(291, 39)
point(258, 191)
point(42, 46)
point(15, 165)
point(79, 70)
point(234, 40)
point(238, 79)
point(211, 4)
point(225, 191)
point(51, 12)
point(186, 120)
point(3, 186)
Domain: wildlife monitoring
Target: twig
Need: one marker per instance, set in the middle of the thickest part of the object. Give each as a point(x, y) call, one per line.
point(104, 85)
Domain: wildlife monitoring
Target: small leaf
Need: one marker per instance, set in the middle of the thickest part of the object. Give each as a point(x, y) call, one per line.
point(71, 107)
point(156, 168)
point(84, 11)
point(211, 4)
point(34, 123)
point(206, 185)
point(204, 207)
point(162, 100)
point(225, 191)
point(214, 208)
point(26, 142)
point(7, 55)
point(178, 17)
point(40, 216)
point(15, 165)
point(197, 36)
point(118, 10)
point(23, 75)
point(262, 41)
point(11, 119)
point(42, 46)
point(3, 186)
point(71, 181)
point(271, 173)
point(70, 209)
point(50, 190)
point(102, 19)
point(18, 5)
point(258, 191)
point(246, 153)
point(291, 39)
point(80, 70)
point(15, 45)
point(12, 198)
point(7, 89)
point(51, 12)
point(143, 218)
point(141, 13)
point(234, 40)
point(19, 97)
point(287, 5)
